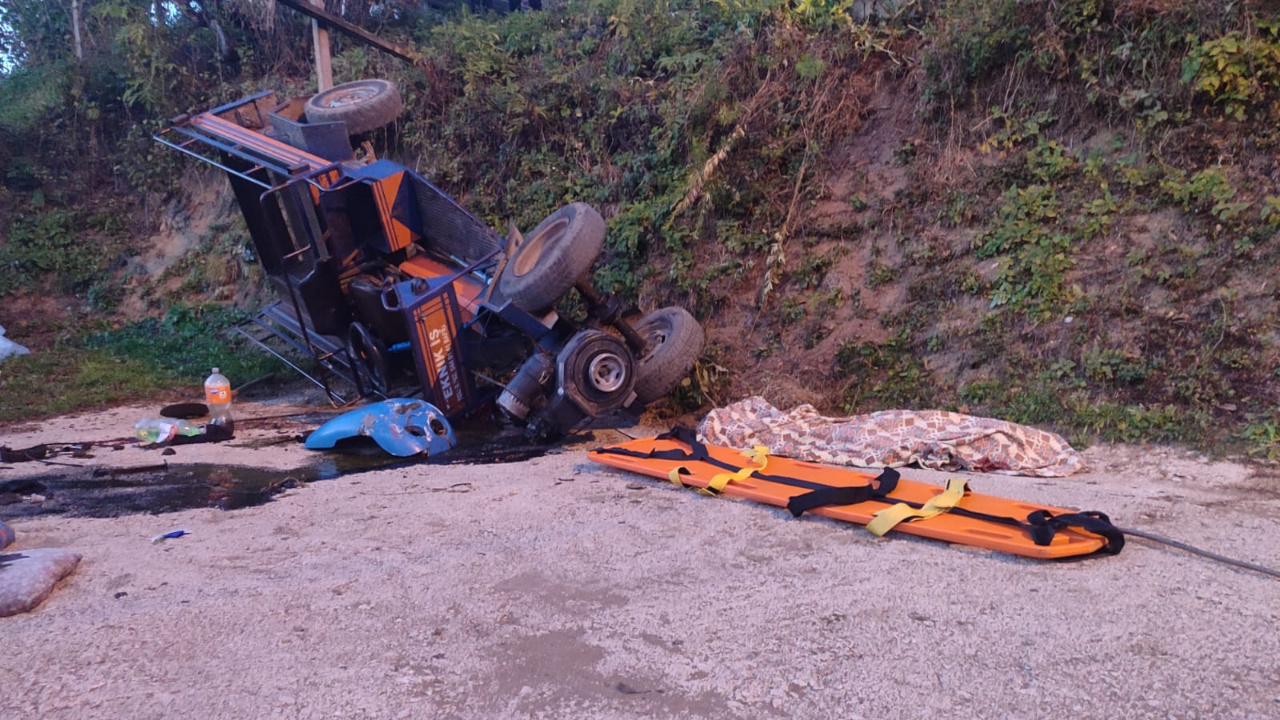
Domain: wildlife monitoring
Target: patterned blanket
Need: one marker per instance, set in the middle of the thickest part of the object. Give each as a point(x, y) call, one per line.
point(893, 438)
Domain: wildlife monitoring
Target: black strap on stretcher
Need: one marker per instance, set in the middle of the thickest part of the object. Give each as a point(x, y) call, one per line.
point(1041, 525)
point(819, 495)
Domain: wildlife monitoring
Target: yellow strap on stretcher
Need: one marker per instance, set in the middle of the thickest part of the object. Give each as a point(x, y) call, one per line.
point(885, 520)
point(758, 455)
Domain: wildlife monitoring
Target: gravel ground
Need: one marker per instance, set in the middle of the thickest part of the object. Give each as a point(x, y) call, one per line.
point(558, 588)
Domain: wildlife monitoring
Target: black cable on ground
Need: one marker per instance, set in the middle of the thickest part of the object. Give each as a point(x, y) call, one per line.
point(1197, 551)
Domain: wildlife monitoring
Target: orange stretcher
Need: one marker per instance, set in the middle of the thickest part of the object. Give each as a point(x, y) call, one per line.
point(953, 514)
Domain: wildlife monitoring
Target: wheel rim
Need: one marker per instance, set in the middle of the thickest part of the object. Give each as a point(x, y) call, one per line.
point(530, 251)
point(657, 335)
point(607, 372)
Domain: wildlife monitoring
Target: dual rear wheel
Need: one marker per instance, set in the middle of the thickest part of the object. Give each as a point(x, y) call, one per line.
point(551, 260)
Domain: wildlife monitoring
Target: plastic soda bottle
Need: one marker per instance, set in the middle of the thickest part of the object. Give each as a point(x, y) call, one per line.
point(217, 393)
point(150, 431)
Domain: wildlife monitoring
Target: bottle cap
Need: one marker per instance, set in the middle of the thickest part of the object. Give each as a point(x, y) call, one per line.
point(215, 371)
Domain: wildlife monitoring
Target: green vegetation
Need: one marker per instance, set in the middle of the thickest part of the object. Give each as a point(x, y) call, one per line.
point(886, 374)
point(1035, 253)
point(140, 361)
point(1238, 71)
point(1060, 213)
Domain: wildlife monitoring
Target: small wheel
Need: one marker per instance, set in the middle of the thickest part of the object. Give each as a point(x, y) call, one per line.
point(675, 343)
point(363, 105)
point(368, 359)
point(553, 257)
point(607, 372)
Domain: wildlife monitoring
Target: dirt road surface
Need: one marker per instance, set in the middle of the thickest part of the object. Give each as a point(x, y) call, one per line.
point(557, 588)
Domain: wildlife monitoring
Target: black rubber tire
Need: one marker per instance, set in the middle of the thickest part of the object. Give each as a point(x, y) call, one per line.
point(185, 411)
point(553, 257)
point(675, 344)
point(363, 105)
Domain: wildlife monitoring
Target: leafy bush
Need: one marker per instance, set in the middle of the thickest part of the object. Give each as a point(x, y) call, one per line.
point(48, 243)
point(1238, 72)
point(974, 39)
point(1034, 251)
point(30, 95)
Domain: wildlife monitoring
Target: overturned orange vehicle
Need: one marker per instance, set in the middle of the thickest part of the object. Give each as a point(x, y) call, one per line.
point(392, 288)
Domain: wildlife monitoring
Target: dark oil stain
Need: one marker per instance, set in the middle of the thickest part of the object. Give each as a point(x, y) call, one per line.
point(165, 487)
point(90, 492)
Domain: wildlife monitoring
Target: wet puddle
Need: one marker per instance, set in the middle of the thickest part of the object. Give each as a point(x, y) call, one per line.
point(168, 487)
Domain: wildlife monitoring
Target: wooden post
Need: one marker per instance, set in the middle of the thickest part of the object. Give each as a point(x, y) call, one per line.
point(320, 39)
point(75, 29)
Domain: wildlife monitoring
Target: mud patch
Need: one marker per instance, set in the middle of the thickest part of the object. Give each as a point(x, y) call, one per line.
point(555, 674)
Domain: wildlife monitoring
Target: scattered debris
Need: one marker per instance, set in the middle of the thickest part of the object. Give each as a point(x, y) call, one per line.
point(153, 431)
point(42, 453)
point(35, 452)
point(462, 487)
point(403, 427)
point(104, 472)
point(171, 535)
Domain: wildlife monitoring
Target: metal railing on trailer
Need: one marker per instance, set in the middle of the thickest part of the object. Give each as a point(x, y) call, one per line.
point(291, 330)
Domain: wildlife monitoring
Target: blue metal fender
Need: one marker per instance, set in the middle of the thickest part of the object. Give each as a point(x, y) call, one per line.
point(402, 426)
